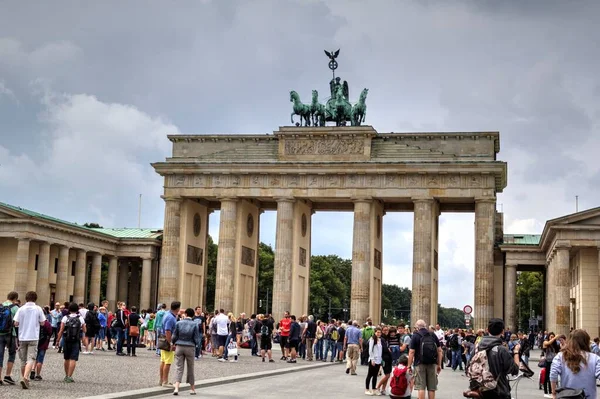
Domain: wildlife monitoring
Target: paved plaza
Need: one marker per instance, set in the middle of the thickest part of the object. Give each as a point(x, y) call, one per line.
point(332, 382)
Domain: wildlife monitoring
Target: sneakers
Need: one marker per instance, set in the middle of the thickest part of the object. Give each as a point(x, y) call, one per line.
point(233, 361)
point(263, 359)
point(347, 371)
point(368, 392)
point(38, 378)
point(283, 358)
point(32, 375)
point(271, 361)
point(168, 385)
point(24, 384)
point(68, 379)
point(377, 392)
point(8, 379)
point(222, 360)
point(546, 395)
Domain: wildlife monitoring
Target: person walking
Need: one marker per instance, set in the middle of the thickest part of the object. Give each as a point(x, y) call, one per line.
point(133, 331)
point(8, 335)
point(71, 327)
point(186, 338)
point(352, 345)
point(576, 366)
point(426, 354)
point(28, 319)
point(375, 359)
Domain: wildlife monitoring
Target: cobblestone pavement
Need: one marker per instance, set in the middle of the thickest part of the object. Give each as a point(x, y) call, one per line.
point(332, 382)
point(104, 372)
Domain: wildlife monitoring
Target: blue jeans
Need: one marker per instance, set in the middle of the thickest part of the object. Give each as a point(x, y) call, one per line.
point(11, 342)
point(120, 338)
point(199, 347)
point(395, 354)
point(319, 349)
point(253, 345)
point(456, 359)
point(302, 350)
point(330, 345)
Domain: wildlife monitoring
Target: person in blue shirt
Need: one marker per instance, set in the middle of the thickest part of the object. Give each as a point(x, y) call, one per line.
point(168, 356)
point(352, 345)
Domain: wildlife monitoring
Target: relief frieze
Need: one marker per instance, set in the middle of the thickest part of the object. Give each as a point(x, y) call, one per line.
point(324, 147)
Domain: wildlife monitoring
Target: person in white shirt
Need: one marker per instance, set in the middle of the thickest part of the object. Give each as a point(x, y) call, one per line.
point(28, 318)
point(222, 322)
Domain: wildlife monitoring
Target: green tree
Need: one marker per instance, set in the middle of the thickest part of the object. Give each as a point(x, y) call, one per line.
point(451, 317)
point(211, 274)
point(530, 290)
point(395, 304)
point(266, 266)
point(330, 280)
point(92, 226)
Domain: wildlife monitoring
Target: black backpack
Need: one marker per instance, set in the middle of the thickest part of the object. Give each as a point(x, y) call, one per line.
point(429, 349)
point(453, 342)
point(92, 322)
point(72, 329)
point(6, 318)
point(43, 335)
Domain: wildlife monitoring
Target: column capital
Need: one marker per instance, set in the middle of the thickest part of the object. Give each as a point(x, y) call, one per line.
point(23, 238)
point(511, 265)
point(285, 199)
point(423, 199)
point(81, 250)
point(485, 200)
point(230, 198)
point(562, 244)
point(147, 257)
point(362, 199)
point(171, 198)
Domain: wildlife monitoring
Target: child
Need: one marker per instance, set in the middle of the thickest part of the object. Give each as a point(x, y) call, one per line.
point(401, 381)
point(43, 343)
point(150, 338)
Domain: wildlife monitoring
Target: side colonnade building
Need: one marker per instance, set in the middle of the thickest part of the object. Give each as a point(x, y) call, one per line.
point(62, 261)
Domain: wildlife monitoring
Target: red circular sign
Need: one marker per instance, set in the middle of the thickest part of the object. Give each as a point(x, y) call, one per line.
point(468, 309)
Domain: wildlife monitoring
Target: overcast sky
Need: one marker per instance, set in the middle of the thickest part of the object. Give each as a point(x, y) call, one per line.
point(89, 90)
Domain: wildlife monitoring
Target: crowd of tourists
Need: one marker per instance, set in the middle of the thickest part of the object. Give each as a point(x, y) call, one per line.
point(397, 358)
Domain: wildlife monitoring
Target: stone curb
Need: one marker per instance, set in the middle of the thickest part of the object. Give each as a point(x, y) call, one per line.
point(147, 392)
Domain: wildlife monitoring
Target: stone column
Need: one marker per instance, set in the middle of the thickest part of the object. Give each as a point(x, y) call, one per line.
point(124, 281)
point(62, 275)
point(134, 286)
point(485, 211)
point(43, 286)
point(146, 282)
point(361, 261)
point(95, 278)
point(226, 254)
point(284, 241)
point(168, 275)
point(111, 284)
point(80, 282)
point(420, 305)
point(22, 267)
point(510, 297)
point(562, 284)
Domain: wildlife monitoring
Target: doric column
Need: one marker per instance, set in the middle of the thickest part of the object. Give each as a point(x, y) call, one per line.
point(510, 297)
point(95, 278)
point(146, 281)
point(43, 286)
point(361, 261)
point(22, 269)
point(420, 305)
point(111, 284)
point(485, 211)
point(62, 274)
point(562, 284)
point(169, 265)
point(134, 285)
point(80, 282)
point(284, 240)
point(226, 254)
point(123, 281)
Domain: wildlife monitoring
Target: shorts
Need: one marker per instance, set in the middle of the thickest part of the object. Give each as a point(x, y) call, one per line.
point(266, 344)
point(150, 335)
point(387, 366)
point(426, 377)
point(167, 357)
point(340, 346)
point(71, 351)
point(101, 333)
point(293, 344)
point(28, 351)
point(283, 341)
point(221, 340)
point(40, 356)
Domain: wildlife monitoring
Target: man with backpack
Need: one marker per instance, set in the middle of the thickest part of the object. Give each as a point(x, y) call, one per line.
point(266, 344)
point(491, 364)
point(331, 336)
point(71, 327)
point(426, 354)
point(8, 336)
point(92, 324)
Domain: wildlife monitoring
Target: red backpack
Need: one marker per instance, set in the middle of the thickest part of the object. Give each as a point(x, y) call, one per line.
point(399, 382)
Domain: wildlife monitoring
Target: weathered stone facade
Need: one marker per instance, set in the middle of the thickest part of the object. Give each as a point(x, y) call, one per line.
point(300, 170)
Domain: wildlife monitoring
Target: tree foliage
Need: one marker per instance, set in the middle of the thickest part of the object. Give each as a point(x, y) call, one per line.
point(92, 226)
point(330, 284)
point(530, 296)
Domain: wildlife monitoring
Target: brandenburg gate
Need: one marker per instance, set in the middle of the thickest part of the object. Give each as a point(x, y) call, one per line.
point(300, 170)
